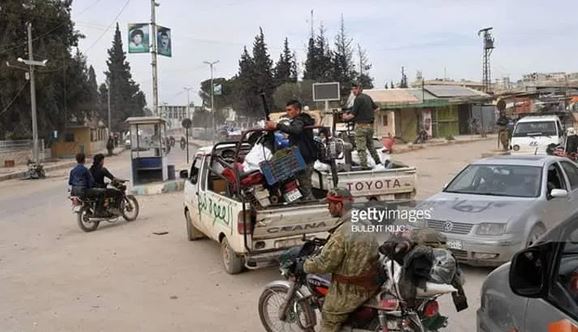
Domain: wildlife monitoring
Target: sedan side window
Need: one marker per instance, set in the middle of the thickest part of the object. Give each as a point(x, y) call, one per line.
point(565, 287)
point(572, 173)
point(555, 178)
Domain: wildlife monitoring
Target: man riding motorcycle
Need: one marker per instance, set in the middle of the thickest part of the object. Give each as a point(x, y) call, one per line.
point(352, 258)
point(82, 183)
point(99, 172)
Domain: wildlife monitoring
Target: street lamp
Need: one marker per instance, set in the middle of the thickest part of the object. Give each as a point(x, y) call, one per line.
point(211, 64)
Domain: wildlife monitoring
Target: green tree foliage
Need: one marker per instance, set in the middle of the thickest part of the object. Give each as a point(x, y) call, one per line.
point(342, 60)
point(61, 86)
point(302, 91)
point(126, 98)
point(286, 67)
point(319, 65)
point(364, 66)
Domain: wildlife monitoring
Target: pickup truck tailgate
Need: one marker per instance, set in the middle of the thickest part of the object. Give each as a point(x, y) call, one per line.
point(371, 183)
point(292, 221)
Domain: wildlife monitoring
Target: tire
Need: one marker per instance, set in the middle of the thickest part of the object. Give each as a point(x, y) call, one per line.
point(130, 208)
point(535, 233)
point(84, 221)
point(264, 312)
point(193, 233)
point(232, 262)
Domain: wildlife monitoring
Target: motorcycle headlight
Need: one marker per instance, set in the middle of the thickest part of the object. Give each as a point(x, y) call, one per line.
point(491, 229)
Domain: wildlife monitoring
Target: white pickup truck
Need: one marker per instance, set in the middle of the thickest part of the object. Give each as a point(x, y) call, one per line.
point(533, 134)
point(254, 237)
point(248, 237)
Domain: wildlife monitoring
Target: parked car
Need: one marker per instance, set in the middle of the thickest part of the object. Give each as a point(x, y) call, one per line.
point(538, 291)
point(497, 206)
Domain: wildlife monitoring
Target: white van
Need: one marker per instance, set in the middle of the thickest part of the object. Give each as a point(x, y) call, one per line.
point(533, 134)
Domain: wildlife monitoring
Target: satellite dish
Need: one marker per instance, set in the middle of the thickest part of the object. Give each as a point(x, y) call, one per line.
point(187, 123)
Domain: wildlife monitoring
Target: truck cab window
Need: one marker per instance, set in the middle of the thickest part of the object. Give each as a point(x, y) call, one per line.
point(194, 175)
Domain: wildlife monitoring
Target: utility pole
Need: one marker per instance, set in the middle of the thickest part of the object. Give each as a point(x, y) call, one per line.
point(211, 64)
point(488, 48)
point(108, 96)
point(36, 170)
point(188, 101)
point(154, 57)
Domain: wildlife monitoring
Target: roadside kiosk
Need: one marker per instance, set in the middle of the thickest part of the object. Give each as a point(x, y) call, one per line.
point(147, 149)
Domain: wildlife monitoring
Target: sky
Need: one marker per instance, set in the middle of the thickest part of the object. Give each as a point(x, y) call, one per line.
point(437, 37)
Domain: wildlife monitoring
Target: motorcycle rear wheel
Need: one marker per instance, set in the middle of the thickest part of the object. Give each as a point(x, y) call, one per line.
point(129, 208)
point(269, 312)
point(84, 221)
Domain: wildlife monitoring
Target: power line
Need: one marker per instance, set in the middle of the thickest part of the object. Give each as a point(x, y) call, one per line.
point(50, 31)
point(110, 25)
point(14, 99)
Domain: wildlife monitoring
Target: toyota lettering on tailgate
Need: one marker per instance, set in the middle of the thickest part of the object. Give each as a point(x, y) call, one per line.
point(374, 185)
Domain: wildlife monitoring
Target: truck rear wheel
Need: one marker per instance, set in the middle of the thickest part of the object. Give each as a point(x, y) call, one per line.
point(232, 262)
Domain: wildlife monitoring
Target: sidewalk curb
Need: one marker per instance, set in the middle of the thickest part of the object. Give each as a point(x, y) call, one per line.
point(415, 147)
point(158, 188)
point(22, 174)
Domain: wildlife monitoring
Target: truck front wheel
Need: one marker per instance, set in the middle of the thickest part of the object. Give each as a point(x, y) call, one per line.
point(232, 262)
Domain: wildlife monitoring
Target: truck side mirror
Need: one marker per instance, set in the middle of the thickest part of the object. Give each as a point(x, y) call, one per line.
point(529, 270)
point(184, 174)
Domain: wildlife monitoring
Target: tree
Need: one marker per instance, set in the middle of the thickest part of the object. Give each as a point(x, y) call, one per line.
point(59, 85)
point(302, 91)
point(342, 60)
point(262, 68)
point(126, 98)
point(318, 66)
point(286, 67)
point(363, 78)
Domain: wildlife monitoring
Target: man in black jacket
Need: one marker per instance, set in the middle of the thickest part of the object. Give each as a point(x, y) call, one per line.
point(302, 138)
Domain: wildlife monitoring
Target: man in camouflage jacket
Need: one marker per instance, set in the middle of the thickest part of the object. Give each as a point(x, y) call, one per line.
point(351, 258)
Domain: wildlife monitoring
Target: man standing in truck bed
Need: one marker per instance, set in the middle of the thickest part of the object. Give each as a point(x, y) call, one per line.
point(362, 114)
point(302, 138)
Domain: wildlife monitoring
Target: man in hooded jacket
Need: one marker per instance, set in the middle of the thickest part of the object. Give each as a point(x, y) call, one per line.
point(302, 138)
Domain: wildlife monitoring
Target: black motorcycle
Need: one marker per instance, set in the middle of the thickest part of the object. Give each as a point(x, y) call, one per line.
point(123, 205)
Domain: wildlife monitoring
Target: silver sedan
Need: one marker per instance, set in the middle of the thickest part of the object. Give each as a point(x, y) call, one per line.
point(497, 206)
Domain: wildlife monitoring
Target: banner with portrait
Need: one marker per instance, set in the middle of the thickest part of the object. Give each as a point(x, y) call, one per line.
point(138, 38)
point(427, 122)
point(164, 41)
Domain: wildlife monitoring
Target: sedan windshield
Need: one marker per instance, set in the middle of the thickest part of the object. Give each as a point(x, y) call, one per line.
point(498, 180)
point(538, 128)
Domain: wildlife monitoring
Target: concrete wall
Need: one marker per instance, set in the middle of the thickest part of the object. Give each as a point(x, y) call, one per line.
point(21, 157)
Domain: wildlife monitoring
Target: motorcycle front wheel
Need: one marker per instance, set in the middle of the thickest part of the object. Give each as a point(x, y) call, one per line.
point(129, 208)
point(270, 303)
point(84, 221)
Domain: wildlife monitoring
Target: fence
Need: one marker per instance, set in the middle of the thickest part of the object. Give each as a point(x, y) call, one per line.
point(20, 151)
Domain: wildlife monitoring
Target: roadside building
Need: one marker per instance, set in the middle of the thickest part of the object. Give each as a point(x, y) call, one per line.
point(87, 136)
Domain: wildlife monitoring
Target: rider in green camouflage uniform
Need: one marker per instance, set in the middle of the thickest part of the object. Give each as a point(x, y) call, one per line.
point(351, 258)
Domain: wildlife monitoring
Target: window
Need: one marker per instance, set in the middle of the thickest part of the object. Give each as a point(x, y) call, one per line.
point(69, 137)
point(384, 120)
point(560, 130)
point(194, 176)
point(555, 178)
point(572, 173)
point(564, 290)
point(535, 128)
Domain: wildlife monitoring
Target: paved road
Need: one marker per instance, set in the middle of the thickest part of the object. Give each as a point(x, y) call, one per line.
point(54, 277)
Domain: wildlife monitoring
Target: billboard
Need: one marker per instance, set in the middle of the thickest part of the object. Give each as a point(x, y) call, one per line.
point(326, 91)
point(164, 41)
point(138, 38)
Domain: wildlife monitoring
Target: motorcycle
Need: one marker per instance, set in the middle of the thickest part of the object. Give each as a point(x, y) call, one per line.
point(85, 208)
point(290, 304)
